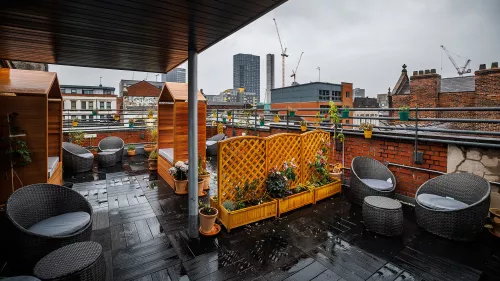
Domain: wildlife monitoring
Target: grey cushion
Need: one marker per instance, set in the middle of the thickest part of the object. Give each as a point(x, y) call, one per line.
point(376, 184)
point(210, 143)
point(86, 155)
point(167, 153)
point(437, 202)
point(217, 137)
point(61, 225)
point(21, 278)
point(52, 164)
point(111, 150)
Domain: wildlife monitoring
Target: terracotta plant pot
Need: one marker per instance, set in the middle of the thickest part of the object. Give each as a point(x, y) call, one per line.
point(229, 117)
point(131, 152)
point(303, 128)
point(181, 187)
point(336, 175)
point(201, 187)
point(206, 179)
point(148, 148)
point(207, 221)
point(368, 134)
point(74, 123)
point(153, 164)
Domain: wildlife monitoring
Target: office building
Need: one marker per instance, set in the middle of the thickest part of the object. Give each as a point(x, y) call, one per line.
point(177, 75)
point(246, 73)
point(269, 76)
point(359, 93)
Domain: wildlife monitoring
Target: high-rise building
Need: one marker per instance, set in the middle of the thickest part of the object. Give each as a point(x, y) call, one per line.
point(177, 75)
point(359, 93)
point(246, 73)
point(269, 76)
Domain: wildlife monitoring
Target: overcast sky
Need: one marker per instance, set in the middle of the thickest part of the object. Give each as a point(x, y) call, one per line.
point(364, 42)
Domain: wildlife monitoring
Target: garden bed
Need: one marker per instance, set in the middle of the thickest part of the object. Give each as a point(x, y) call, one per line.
point(233, 219)
point(295, 201)
point(327, 190)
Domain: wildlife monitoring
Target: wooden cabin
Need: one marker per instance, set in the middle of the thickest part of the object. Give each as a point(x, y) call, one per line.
point(173, 127)
point(36, 97)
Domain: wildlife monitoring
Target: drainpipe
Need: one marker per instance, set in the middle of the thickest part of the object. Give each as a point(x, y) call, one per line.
point(193, 143)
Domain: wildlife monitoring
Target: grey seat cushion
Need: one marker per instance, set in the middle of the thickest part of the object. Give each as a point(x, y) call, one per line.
point(376, 184)
point(437, 202)
point(52, 164)
point(61, 225)
point(86, 155)
point(217, 137)
point(111, 150)
point(210, 143)
point(21, 278)
point(167, 153)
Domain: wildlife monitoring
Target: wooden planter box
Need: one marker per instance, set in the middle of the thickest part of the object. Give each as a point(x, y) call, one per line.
point(295, 201)
point(248, 215)
point(327, 190)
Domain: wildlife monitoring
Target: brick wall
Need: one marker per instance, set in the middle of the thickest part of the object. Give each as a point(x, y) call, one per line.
point(143, 89)
point(127, 135)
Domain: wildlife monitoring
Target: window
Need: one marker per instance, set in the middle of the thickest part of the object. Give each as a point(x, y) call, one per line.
point(73, 91)
point(108, 105)
point(83, 104)
point(88, 91)
point(101, 105)
point(347, 94)
point(347, 121)
point(336, 96)
point(91, 105)
point(102, 117)
point(91, 118)
point(83, 117)
point(73, 104)
point(324, 95)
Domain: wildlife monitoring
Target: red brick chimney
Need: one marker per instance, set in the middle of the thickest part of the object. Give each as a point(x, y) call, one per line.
point(425, 86)
point(487, 94)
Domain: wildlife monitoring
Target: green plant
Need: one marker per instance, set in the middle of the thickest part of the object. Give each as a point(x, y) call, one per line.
point(131, 121)
point(290, 109)
point(229, 205)
point(341, 137)
point(347, 108)
point(299, 188)
point(279, 180)
point(248, 194)
point(76, 136)
point(262, 118)
point(19, 152)
point(214, 112)
point(319, 166)
point(333, 113)
point(366, 126)
point(154, 154)
point(76, 119)
point(303, 123)
point(229, 113)
point(153, 134)
point(151, 112)
point(201, 171)
point(404, 109)
point(206, 209)
point(131, 147)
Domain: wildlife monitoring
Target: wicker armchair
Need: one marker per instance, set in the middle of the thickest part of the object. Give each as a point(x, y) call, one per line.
point(113, 144)
point(34, 203)
point(462, 224)
point(368, 168)
point(77, 158)
point(212, 144)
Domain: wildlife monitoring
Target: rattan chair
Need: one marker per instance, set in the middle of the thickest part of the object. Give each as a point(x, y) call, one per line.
point(368, 168)
point(212, 144)
point(463, 224)
point(113, 144)
point(34, 203)
point(77, 158)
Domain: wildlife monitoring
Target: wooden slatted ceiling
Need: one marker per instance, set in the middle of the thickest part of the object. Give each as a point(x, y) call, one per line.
point(176, 92)
point(27, 82)
point(147, 35)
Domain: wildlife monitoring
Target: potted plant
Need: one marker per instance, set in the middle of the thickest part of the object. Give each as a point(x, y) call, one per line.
point(224, 119)
point(179, 172)
point(151, 113)
point(94, 151)
point(131, 122)
point(131, 150)
point(262, 120)
point(336, 171)
point(214, 113)
point(404, 113)
point(76, 137)
point(276, 118)
point(303, 125)
point(367, 129)
point(229, 115)
point(324, 185)
point(153, 138)
point(95, 111)
point(153, 160)
point(291, 111)
point(116, 116)
point(345, 112)
point(74, 121)
point(203, 173)
point(207, 218)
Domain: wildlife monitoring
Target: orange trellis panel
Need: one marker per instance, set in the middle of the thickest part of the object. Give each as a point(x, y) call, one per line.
point(311, 143)
point(285, 147)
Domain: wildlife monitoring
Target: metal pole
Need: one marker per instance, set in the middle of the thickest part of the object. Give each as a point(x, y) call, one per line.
point(416, 136)
point(193, 143)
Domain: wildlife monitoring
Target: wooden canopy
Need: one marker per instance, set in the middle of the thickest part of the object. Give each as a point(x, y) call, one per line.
point(172, 92)
point(147, 35)
point(28, 83)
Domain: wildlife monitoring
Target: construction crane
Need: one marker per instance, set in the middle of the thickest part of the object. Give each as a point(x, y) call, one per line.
point(294, 75)
point(460, 70)
point(283, 56)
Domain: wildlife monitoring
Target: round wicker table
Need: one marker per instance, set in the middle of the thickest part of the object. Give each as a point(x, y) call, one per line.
point(106, 159)
point(77, 261)
point(383, 215)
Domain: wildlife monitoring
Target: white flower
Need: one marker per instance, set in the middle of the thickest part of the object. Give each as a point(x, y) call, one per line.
point(184, 168)
point(172, 170)
point(179, 164)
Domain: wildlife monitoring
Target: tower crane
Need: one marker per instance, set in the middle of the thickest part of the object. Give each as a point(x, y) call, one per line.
point(283, 56)
point(294, 75)
point(460, 70)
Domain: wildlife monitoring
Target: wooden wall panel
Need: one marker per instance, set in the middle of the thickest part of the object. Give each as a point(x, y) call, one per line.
point(181, 131)
point(32, 118)
point(55, 128)
point(165, 126)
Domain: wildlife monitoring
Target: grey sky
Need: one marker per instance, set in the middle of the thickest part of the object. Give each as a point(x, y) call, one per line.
point(363, 42)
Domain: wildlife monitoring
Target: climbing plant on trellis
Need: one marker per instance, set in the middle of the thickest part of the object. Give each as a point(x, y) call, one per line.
point(285, 147)
point(311, 143)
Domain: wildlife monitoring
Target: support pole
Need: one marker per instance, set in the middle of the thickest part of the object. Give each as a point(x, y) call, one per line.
point(193, 143)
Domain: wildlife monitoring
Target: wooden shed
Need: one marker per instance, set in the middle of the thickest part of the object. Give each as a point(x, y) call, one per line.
point(36, 98)
point(173, 127)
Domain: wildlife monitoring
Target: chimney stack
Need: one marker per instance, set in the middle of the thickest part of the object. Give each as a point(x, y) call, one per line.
point(494, 65)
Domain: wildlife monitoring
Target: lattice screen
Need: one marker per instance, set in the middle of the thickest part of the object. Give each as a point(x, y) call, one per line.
point(285, 147)
point(240, 159)
point(311, 143)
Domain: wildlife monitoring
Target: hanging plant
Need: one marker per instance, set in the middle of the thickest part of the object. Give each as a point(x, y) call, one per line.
point(367, 129)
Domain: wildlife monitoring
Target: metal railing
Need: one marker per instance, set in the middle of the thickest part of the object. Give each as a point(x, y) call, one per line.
point(89, 119)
